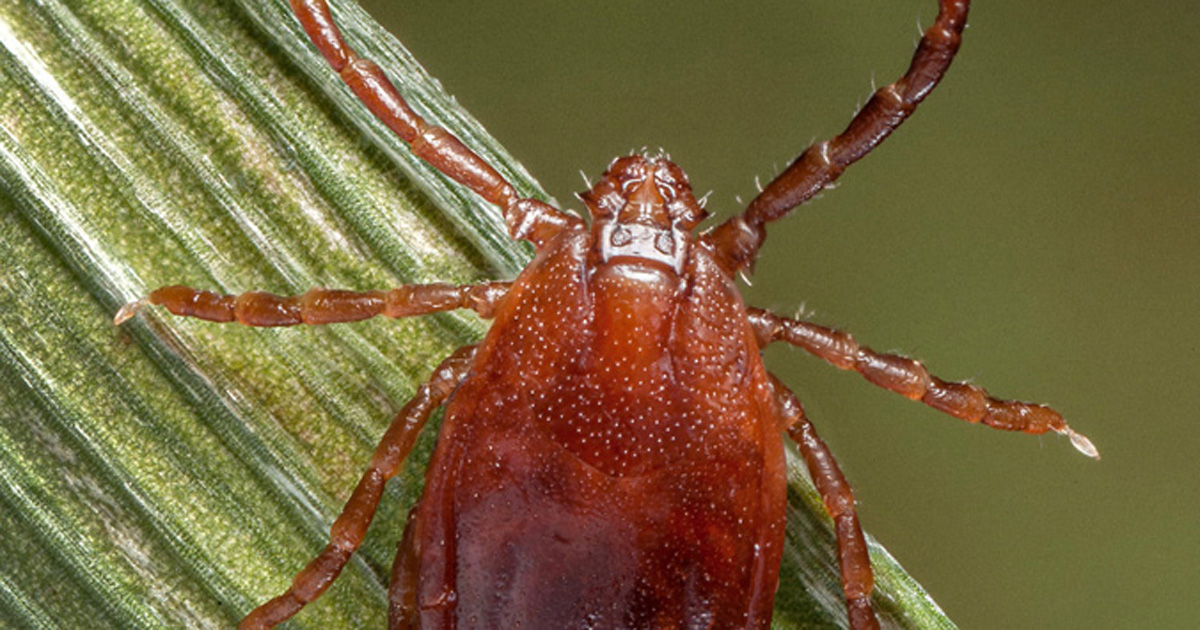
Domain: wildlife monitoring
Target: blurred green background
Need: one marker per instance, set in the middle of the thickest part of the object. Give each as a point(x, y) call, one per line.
point(1033, 229)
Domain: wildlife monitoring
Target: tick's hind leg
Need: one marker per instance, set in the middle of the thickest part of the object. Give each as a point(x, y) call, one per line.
point(910, 379)
point(348, 530)
point(526, 218)
point(858, 580)
point(402, 589)
point(321, 306)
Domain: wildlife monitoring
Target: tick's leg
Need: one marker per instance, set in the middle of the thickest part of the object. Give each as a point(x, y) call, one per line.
point(858, 580)
point(526, 218)
point(402, 591)
point(321, 306)
point(347, 532)
point(910, 379)
point(740, 237)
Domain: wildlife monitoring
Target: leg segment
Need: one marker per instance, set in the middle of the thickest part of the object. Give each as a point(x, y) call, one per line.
point(740, 237)
point(322, 306)
point(402, 592)
point(858, 580)
point(526, 218)
point(910, 379)
point(348, 530)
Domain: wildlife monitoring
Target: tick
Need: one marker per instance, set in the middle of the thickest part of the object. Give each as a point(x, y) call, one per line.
point(612, 451)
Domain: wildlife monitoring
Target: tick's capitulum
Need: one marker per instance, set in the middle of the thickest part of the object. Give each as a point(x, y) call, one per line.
point(612, 451)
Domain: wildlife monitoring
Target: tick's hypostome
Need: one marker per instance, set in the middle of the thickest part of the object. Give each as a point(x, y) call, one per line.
point(611, 455)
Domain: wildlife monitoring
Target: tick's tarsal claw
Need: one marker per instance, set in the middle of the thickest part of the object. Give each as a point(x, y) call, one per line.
point(128, 311)
point(1081, 443)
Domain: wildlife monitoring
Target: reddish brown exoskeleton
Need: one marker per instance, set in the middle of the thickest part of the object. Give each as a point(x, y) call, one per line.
point(612, 451)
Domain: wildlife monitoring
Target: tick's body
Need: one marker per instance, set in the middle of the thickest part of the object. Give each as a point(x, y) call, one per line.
point(612, 454)
point(612, 460)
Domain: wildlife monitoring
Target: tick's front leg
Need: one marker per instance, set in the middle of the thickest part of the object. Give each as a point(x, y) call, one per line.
point(321, 306)
point(910, 379)
point(739, 238)
point(526, 218)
